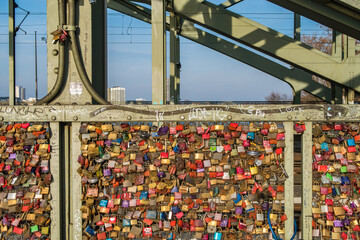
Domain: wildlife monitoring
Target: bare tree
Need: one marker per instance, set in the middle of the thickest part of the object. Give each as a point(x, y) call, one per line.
point(277, 97)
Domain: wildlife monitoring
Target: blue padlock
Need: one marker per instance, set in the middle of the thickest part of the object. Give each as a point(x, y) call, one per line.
point(176, 149)
point(217, 236)
point(171, 236)
point(143, 195)
point(103, 203)
point(351, 142)
point(89, 231)
point(325, 146)
point(251, 135)
point(118, 140)
point(238, 198)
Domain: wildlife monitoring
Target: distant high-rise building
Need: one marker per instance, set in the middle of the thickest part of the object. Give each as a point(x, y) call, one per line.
point(116, 95)
point(20, 92)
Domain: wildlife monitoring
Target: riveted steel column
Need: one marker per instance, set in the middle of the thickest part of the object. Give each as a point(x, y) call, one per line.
point(306, 200)
point(174, 61)
point(11, 53)
point(76, 189)
point(289, 183)
point(158, 20)
point(91, 36)
point(57, 197)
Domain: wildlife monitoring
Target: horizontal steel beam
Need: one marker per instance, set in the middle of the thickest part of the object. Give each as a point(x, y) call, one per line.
point(331, 14)
point(176, 113)
point(268, 41)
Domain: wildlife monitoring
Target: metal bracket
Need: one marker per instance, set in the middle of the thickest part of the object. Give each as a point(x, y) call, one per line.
point(68, 27)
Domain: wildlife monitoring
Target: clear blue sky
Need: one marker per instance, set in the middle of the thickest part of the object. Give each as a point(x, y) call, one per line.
point(205, 74)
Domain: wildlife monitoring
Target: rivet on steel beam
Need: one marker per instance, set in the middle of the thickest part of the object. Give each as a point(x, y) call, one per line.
point(229, 117)
point(1, 118)
point(76, 118)
point(129, 117)
point(53, 118)
point(182, 117)
point(308, 117)
point(289, 117)
point(55, 52)
point(56, 70)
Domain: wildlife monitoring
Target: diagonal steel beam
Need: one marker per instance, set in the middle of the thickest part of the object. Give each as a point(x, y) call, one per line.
point(298, 79)
point(331, 14)
point(268, 41)
point(230, 3)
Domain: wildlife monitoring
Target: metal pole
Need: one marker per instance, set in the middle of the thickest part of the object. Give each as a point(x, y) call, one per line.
point(158, 41)
point(11, 52)
point(36, 78)
point(289, 183)
point(306, 199)
point(75, 182)
point(297, 36)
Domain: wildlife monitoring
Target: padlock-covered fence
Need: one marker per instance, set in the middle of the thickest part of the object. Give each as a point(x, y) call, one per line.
point(25, 179)
point(218, 181)
point(336, 180)
point(71, 180)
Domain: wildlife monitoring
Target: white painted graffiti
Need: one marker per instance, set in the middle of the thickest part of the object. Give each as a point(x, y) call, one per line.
point(77, 224)
point(68, 111)
point(291, 110)
point(203, 114)
point(159, 115)
point(251, 111)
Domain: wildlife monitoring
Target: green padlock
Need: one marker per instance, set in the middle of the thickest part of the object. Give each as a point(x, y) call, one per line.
point(232, 171)
point(328, 175)
point(343, 169)
point(212, 142)
point(215, 191)
point(34, 228)
point(213, 148)
point(101, 151)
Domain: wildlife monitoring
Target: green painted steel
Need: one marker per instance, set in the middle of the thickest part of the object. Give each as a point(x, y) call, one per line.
point(329, 13)
point(174, 60)
point(270, 42)
point(298, 79)
point(230, 3)
point(158, 37)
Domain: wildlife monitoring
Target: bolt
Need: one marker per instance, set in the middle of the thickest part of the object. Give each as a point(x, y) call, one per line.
point(182, 117)
point(229, 117)
point(1, 118)
point(56, 70)
point(308, 117)
point(289, 117)
point(76, 118)
point(129, 117)
point(53, 118)
point(55, 52)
